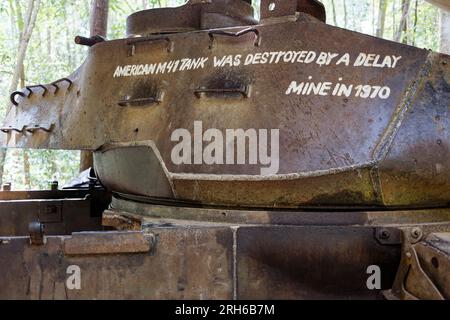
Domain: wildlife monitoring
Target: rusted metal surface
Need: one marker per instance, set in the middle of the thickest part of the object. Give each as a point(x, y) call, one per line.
point(61, 212)
point(363, 178)
point(311, 263)
point(334, 151)
point(120, 221)
point(37, 230)
point(135, 210)
point(424, 268)
point(321, 162)
point(201, 253)
point(280, 8)
point(192, 261)
point(419, 155)
point(48, 194)
point(194, 15)
point(108, 243)
point(183, 264)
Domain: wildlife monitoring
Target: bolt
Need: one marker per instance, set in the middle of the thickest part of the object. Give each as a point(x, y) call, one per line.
point(54, 186)
point(444, 62)
point(51, 209)
point(7, 186)
point(385, 234)
point(408, 255)
point(416, 233)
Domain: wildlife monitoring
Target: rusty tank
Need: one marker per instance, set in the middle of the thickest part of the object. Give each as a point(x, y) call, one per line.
point(235, 158)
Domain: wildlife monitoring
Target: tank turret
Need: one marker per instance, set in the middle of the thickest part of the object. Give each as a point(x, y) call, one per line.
point(247, 159)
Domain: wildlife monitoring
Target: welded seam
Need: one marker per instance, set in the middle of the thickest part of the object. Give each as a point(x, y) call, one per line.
point(275, 177)
point(147, 143)
point(387, 140)
point(376, 183)
point(234, 177)
point(235, 281)
point(384, 145)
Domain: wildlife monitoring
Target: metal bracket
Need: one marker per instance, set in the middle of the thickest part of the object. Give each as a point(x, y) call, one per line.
point(36, 230)
point(280, 8)
point(55, 83)
point(30, 91)
point(88, 243)
point(134, 41)
point(13, 97)
point(257, 42)
point(388, 236)
point(127, 101)
point(31, 130)
point(413, 280)
point(244, 90)
point(38, 127)
point(9, 129)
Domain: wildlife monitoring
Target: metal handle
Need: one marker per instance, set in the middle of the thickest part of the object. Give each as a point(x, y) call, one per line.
point(37, 128)
point(30, 91)
point(127, 102)
point(236, 35)
point(243, 90)
point(55, 84)
point(31, 129)
point(13, 97)
point(133, 41)
point(9, 129)
point(84, 41)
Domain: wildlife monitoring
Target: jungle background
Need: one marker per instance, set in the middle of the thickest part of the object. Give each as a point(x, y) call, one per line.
point(37, 46)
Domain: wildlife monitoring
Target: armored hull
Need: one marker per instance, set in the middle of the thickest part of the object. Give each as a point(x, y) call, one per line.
point(278, 158)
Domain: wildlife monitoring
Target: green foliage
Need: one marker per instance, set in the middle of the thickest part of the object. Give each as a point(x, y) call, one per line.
point(362, 16)
point(45, 166)
point(52, 54)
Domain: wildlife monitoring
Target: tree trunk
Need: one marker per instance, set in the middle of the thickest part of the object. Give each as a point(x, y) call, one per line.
point(333, 6)
point(99, 18)
point(345, 15)
point(12, 15)
point(99, 27)
point(27, 27)
point(445, 32)
point(381, 18)
point(374, 25)
point(416, 4)
point(26, 169)
point(403, 27)
point(393, 20)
